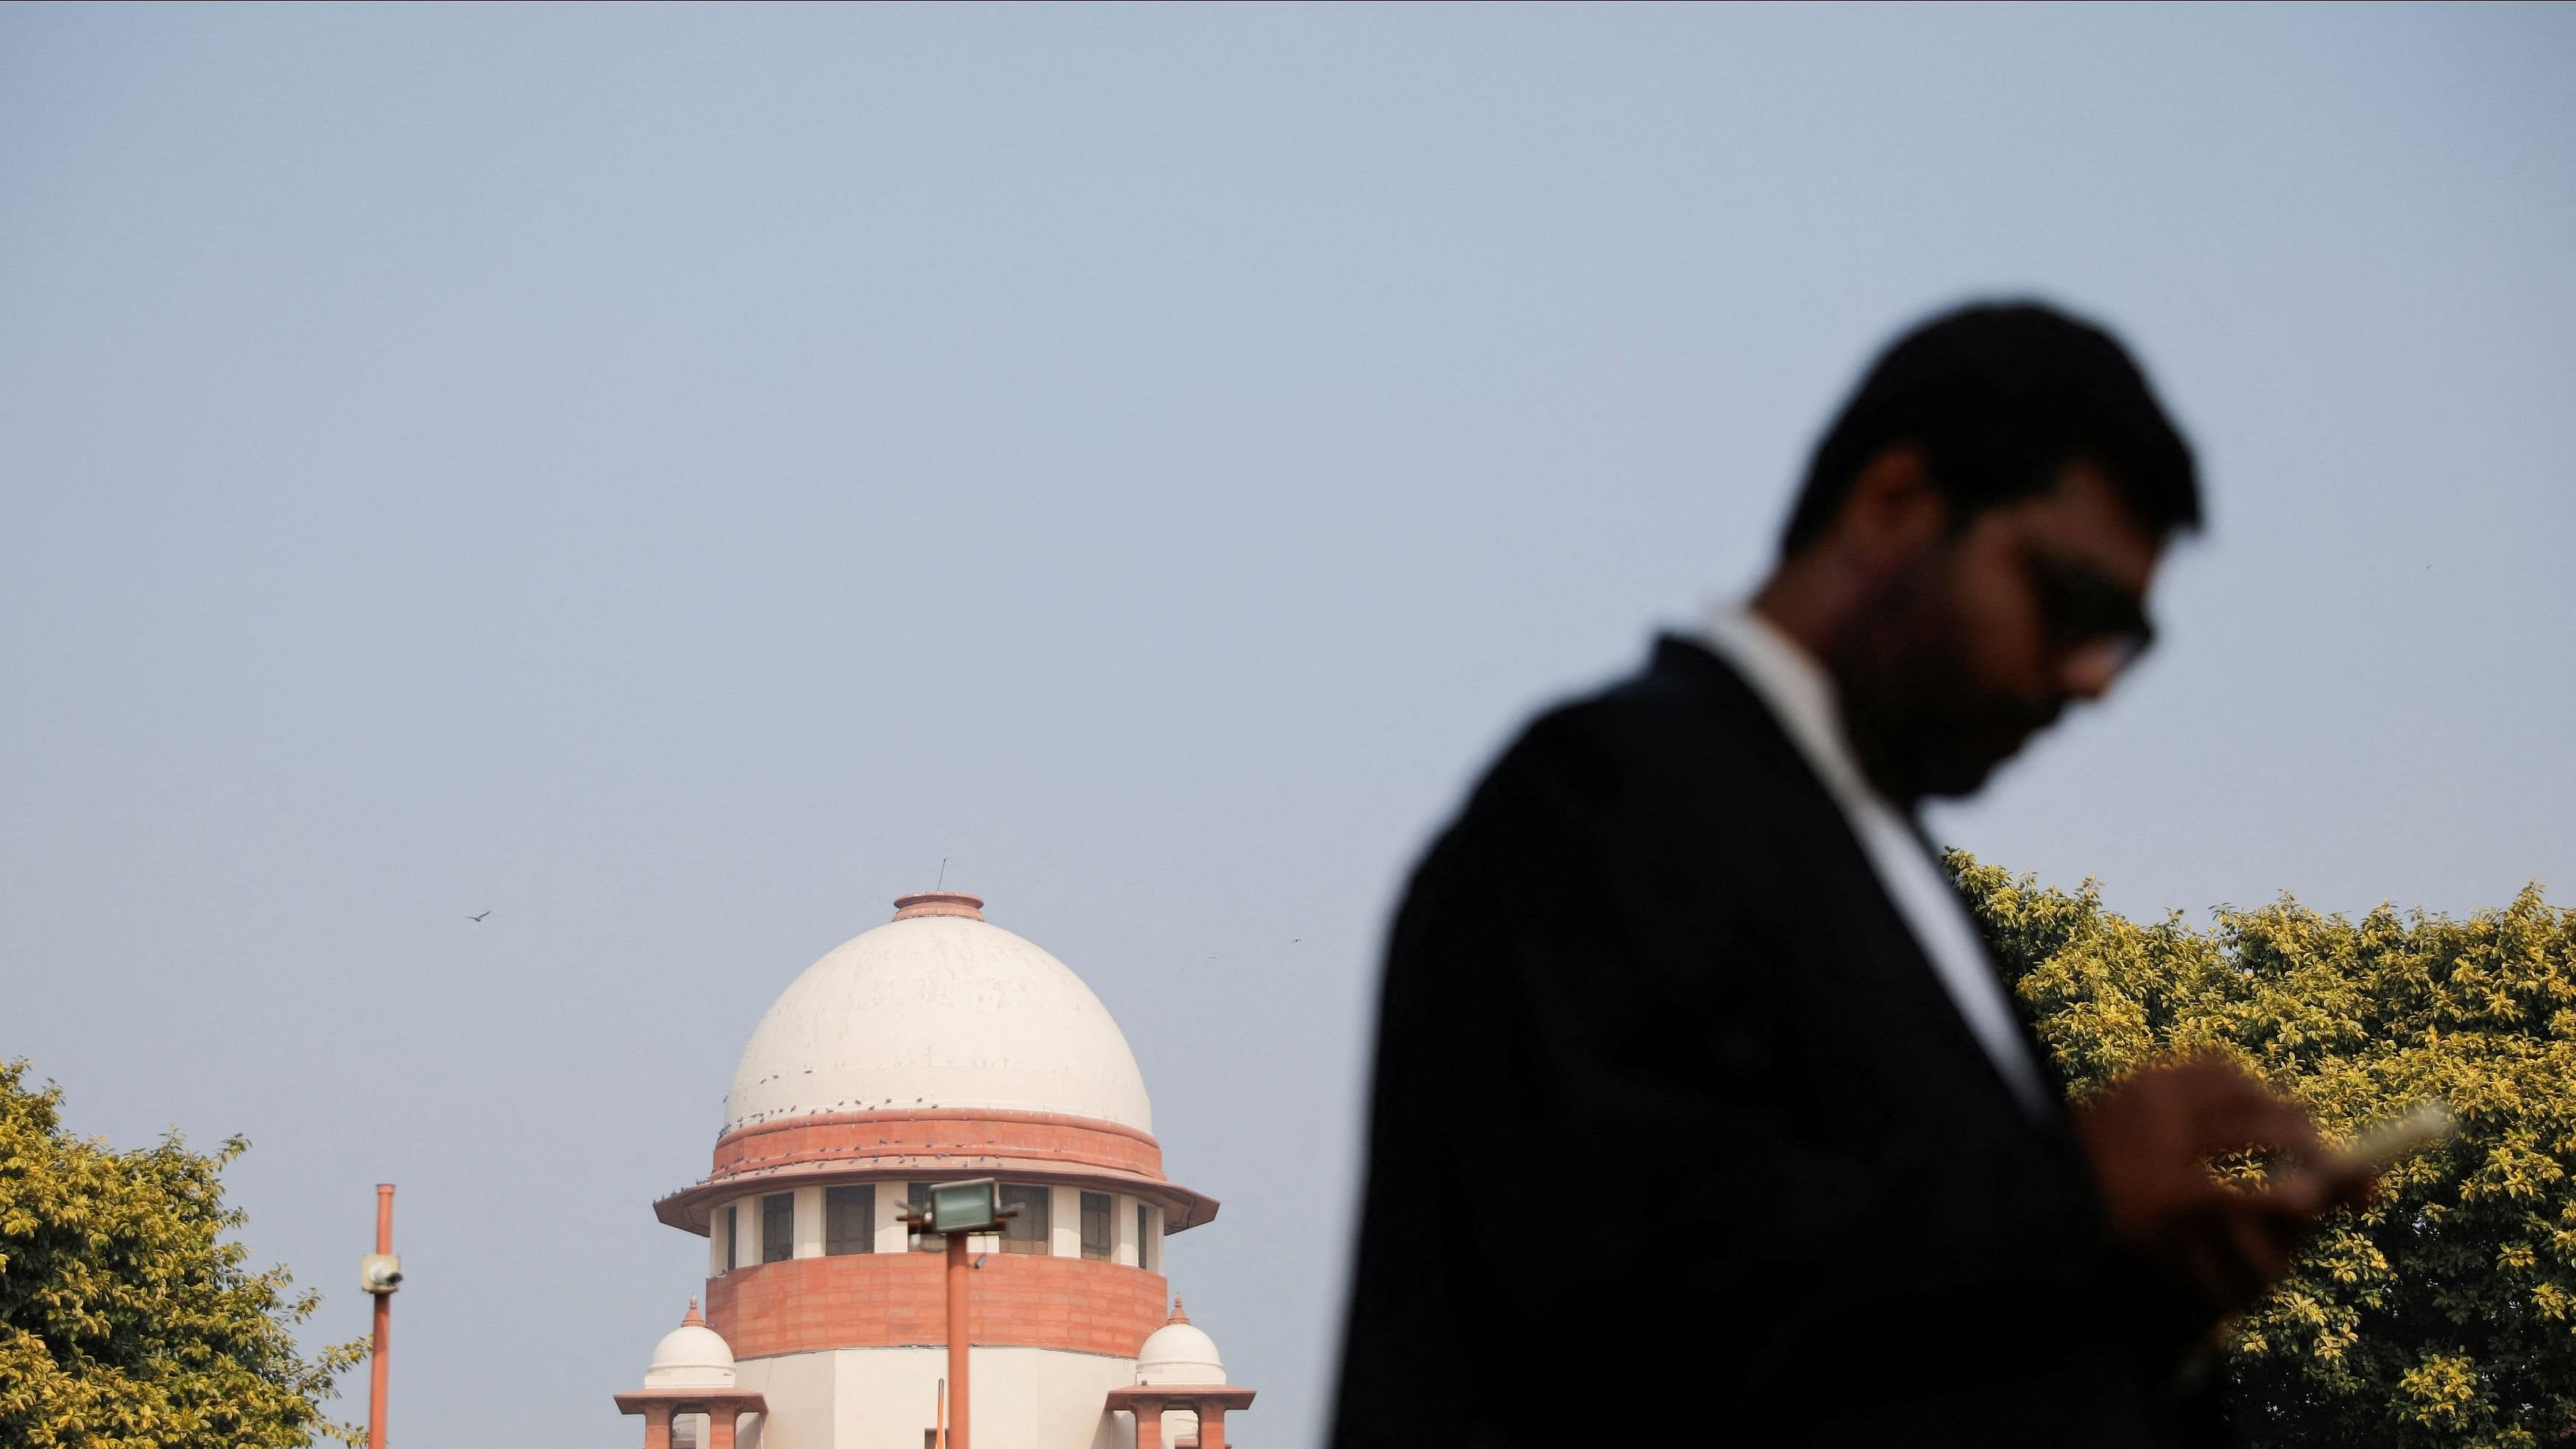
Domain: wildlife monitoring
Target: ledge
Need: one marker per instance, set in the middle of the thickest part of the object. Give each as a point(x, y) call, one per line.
point(940, 1144)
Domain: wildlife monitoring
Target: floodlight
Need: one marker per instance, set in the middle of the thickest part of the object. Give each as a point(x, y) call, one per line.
point(972, 1206)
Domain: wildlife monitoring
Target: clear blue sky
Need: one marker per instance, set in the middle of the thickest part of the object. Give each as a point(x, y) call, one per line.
point(670, 476)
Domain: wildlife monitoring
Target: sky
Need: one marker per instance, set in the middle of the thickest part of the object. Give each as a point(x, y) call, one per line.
point(673, 477)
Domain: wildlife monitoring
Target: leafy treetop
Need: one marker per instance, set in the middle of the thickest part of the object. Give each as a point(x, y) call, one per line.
point(2445, 1314)
point(126, 1320)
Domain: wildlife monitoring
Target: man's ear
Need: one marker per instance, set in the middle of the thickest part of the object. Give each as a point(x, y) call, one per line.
point(1892, 513)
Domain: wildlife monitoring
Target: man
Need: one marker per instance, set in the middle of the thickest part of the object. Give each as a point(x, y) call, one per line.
point(1701, 1113)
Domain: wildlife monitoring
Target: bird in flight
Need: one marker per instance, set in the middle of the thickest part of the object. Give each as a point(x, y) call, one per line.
point(478, 919)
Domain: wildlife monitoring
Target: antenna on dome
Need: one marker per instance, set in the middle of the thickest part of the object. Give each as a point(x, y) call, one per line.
point(943, 874)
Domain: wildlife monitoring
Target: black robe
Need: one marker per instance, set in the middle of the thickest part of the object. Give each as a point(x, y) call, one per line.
point(1675, 1135)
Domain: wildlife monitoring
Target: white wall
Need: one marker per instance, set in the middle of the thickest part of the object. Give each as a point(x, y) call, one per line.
point(1025, 1398)
point(882, 1398)
point(894, 1235)
point(745, 1240)
point(809, 1222)
point(1122, 1229)
point(1064, 1222)
point(800, 1389)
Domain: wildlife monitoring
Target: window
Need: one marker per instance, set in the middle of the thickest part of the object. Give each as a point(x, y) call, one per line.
point(1026, 1232)
point(916, 1196)
point(850, 1219)
point(724, 1239)
point(777, 1227)
point(1145, 1244)
point(1096, 1208)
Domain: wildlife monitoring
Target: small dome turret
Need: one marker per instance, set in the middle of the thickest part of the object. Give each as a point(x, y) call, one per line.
point(691, 1356)
point(1179, 1352)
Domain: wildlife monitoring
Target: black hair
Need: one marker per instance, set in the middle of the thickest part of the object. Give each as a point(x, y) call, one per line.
point(1999, 397)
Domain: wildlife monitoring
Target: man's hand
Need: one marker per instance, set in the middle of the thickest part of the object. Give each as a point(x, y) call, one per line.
point(2150, 1137)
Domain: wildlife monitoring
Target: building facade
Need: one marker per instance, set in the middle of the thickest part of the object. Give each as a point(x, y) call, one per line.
point(934, 1048)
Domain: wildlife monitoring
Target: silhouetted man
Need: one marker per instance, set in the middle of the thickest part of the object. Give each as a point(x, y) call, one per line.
point(1701, 1112)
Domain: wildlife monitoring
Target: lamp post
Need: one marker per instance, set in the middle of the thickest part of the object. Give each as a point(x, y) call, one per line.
point(957, 1209)
point(379, 1274)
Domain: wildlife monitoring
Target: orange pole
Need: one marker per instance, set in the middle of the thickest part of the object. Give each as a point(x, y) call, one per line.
point(959, 1335)
point(384, 1323)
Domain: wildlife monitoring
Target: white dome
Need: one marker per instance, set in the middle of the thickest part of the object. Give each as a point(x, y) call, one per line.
point(938, 1008)
point(1179, 1353)
point(691, 1356)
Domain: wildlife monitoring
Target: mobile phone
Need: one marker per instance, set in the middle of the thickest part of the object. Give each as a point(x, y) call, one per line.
point(2427, 1123)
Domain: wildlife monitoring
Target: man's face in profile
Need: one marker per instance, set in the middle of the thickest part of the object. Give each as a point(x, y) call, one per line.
point(1983, 636)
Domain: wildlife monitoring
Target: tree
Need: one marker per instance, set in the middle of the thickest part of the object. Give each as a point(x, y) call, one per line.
point(2445, 1314)
point(126, 1322)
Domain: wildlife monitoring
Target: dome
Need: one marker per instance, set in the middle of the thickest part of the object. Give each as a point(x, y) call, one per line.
point(691, 1356)
point(1179, 1353)
point(938, 1008)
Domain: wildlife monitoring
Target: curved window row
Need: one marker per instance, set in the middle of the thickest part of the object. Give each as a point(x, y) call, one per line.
point(867, 1217)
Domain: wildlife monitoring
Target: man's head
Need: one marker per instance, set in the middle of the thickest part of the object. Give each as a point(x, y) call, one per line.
point(1976, 535)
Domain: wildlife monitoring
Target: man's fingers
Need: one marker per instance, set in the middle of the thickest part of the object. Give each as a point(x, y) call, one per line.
point(2220, 1262)
point(2261, 1250)
point(2230, 1251)
point(2335, 1190)
point(2244, 1113)
point(2151, 1138)
point(2224, 1108)
point(2352, 1190)
point(2297, 1194)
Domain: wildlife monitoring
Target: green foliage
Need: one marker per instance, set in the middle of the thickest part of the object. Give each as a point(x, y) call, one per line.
point(2446, 1313)
point(126, 1322)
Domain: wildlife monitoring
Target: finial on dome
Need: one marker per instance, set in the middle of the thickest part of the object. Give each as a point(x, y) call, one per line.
point(938, 903)
point(693, 1316)
point(1180, 1311)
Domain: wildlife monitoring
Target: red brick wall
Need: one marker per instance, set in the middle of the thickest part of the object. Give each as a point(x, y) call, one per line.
point(884, 1300)
point(1076, 1142)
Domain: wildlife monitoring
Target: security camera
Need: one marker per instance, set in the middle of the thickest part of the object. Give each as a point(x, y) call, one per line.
point(380, 1273)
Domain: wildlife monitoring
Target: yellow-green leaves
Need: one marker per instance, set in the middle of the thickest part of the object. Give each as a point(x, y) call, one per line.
point(2446, 1313)
point(126, 1322)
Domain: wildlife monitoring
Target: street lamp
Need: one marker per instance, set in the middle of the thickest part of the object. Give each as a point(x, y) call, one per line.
point(957, 1209)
